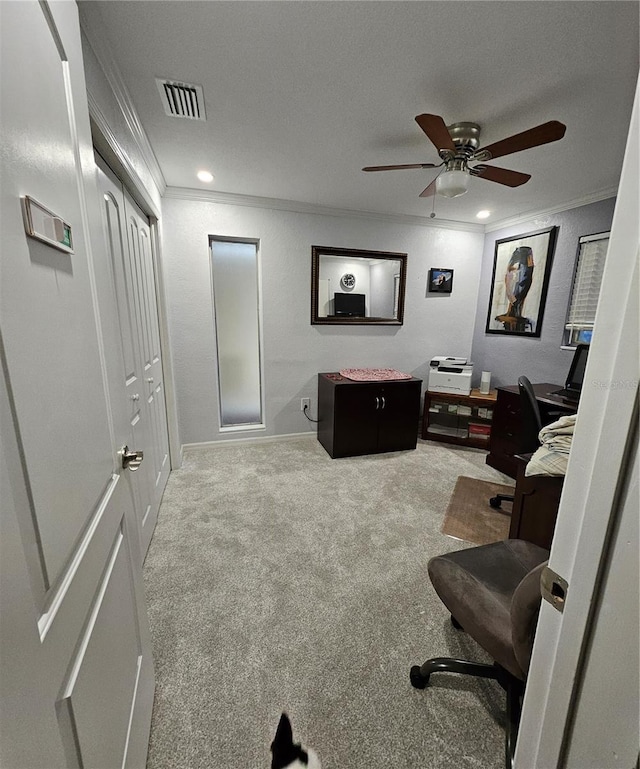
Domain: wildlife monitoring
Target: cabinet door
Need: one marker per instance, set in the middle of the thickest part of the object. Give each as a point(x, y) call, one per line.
point(398, 416)
point(356, 420)
point(504, 433)
point(535, 508)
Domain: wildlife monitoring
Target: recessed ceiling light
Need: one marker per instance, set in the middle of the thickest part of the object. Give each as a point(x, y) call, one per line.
point(483, 214)
point(205, 176)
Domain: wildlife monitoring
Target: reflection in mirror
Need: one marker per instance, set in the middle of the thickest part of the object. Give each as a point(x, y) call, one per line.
point(353, 287)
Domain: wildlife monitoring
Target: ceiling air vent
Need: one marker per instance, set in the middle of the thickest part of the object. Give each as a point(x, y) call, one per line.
point(181, 99)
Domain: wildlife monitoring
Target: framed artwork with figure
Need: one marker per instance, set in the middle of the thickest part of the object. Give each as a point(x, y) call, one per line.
point(440, 280)
point(519, 284)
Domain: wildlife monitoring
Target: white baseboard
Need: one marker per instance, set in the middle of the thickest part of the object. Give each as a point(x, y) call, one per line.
point(245, 441)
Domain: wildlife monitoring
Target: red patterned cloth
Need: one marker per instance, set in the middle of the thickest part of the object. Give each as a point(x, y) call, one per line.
point(373, 374)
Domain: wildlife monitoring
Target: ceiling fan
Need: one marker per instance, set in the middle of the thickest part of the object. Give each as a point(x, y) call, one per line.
point(457, 145)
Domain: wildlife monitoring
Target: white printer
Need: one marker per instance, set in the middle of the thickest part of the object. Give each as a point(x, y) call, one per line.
point(450, 375)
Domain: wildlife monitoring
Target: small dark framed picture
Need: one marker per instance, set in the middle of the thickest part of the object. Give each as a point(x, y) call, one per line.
point(440, 280)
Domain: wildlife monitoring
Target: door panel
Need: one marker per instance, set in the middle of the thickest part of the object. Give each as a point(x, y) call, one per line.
point(158, 439)
point(71, 587)
point(130, 326)
point(54, 363)
point(129, 245)
point(399, 416)
point(356, 411)
point(107, 660)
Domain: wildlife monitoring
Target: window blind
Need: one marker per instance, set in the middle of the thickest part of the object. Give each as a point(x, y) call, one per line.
point(586, 282)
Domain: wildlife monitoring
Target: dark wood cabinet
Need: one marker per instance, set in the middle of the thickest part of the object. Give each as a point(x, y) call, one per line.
point(367, 417)
point(507, 423)
point(535, 506)
point(506, 427)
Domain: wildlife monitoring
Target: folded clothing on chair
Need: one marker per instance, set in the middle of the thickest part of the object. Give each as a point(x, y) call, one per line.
point(552, 456)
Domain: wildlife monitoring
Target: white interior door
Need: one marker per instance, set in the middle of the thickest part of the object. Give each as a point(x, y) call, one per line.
point(76, 671)
point(128, 244)
point(157, 446)
point(572, 707)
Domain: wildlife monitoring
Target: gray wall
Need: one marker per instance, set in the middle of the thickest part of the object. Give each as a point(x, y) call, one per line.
point(294, 350)
point(540, 359)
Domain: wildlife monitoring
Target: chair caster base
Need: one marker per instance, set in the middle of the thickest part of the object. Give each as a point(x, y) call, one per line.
point(418, 681)
point(419, 676)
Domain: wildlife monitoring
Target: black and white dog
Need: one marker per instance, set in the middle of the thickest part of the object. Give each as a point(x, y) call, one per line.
point(286, 753)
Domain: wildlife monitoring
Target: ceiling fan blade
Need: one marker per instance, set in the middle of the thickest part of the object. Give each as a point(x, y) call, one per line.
point(427, 192)
point(393, 168)
point(436, 130)
point(534, 137)
point(500, 175)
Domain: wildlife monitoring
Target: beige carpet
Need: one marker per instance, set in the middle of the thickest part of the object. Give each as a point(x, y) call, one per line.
point(281, 579)
point(469, 515)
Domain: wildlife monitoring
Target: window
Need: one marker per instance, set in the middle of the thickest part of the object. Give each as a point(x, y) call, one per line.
point(583, 303)
point(236, 299)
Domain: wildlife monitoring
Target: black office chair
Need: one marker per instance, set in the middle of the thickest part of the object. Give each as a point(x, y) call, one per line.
point(531, 426)
point(493, 594)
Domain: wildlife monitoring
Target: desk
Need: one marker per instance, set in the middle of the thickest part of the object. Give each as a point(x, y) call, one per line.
point(535, 506)
point(507, 423)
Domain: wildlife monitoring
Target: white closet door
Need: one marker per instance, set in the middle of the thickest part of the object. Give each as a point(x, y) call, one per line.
point(129, 244)
point(131, 387)
point(76, 672)
point(140, 245)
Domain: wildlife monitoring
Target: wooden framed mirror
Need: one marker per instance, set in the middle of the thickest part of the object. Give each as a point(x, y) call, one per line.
point(354, 287)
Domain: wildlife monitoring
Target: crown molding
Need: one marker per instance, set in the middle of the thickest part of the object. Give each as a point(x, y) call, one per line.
point(277, 204)
point(106, 143)
point(531, 216)
point(89, 23)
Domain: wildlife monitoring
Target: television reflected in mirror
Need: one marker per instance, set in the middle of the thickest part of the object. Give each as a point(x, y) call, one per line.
point(355, 287)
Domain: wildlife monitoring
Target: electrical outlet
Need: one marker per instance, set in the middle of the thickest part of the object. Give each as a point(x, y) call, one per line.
point(305, 403)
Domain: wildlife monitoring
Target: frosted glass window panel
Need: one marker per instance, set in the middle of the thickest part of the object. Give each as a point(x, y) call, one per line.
point(383, 288)
point(236, 306)
point(324, 297)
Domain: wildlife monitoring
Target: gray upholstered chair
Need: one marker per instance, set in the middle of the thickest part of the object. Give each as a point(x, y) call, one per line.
point(493, 593)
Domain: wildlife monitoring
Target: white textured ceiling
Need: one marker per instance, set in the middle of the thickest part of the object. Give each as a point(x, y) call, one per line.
point(301, 95)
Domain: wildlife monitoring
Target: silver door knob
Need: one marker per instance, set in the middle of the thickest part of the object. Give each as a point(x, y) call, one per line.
point(131, 460)
point(150, 380)
point(135, 397)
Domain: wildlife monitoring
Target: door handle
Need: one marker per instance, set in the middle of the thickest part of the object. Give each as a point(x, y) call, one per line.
point(384, 403)
point(131, 460)
point(377, 403)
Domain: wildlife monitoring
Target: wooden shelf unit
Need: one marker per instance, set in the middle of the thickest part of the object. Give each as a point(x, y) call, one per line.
point(463, 420)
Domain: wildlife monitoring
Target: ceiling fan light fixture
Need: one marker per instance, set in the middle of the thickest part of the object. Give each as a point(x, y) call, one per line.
point(452, 184)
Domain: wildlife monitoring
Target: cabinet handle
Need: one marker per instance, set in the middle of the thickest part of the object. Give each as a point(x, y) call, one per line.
point(377, 403)
point(384, 403)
